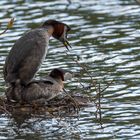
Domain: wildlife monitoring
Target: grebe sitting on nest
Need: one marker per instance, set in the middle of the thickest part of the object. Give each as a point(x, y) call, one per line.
point(37, 90)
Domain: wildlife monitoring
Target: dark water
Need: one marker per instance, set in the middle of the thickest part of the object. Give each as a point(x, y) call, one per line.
point(106, 36)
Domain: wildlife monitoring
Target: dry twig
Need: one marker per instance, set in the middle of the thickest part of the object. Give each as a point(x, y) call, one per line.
point(9, 25)
point(97, 86)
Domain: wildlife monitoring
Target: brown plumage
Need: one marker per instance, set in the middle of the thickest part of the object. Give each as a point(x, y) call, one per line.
point(59, 28)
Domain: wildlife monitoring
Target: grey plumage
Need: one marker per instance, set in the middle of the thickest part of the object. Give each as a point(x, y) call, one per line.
point(31, 47)
point(44, 89)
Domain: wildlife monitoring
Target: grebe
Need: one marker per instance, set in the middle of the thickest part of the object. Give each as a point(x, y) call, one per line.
point(29, 51)
point(37, 90)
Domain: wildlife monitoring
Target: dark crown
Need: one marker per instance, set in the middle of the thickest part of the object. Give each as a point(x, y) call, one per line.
point(57, 74)
point(59, 27)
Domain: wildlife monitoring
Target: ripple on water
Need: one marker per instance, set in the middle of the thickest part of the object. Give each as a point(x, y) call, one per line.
point(105, 36)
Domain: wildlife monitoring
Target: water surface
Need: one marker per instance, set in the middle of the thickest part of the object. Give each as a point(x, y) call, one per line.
point(105, 34)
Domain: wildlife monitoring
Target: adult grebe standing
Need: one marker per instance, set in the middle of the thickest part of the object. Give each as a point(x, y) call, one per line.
point(29, 51)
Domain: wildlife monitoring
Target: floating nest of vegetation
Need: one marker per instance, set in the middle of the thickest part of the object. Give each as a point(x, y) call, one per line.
point(60, 106)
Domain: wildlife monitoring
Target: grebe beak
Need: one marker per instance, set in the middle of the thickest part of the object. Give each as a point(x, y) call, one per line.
point(64, 39)
point(67, 44)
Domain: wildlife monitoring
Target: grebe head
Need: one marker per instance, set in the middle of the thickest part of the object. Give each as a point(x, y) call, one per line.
point(60, 31)
point(57, 74)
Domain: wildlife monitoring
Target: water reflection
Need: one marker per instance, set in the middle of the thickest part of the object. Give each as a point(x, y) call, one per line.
point(105, 34)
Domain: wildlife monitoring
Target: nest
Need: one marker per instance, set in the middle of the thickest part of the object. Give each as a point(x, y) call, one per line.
point(60, 106)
